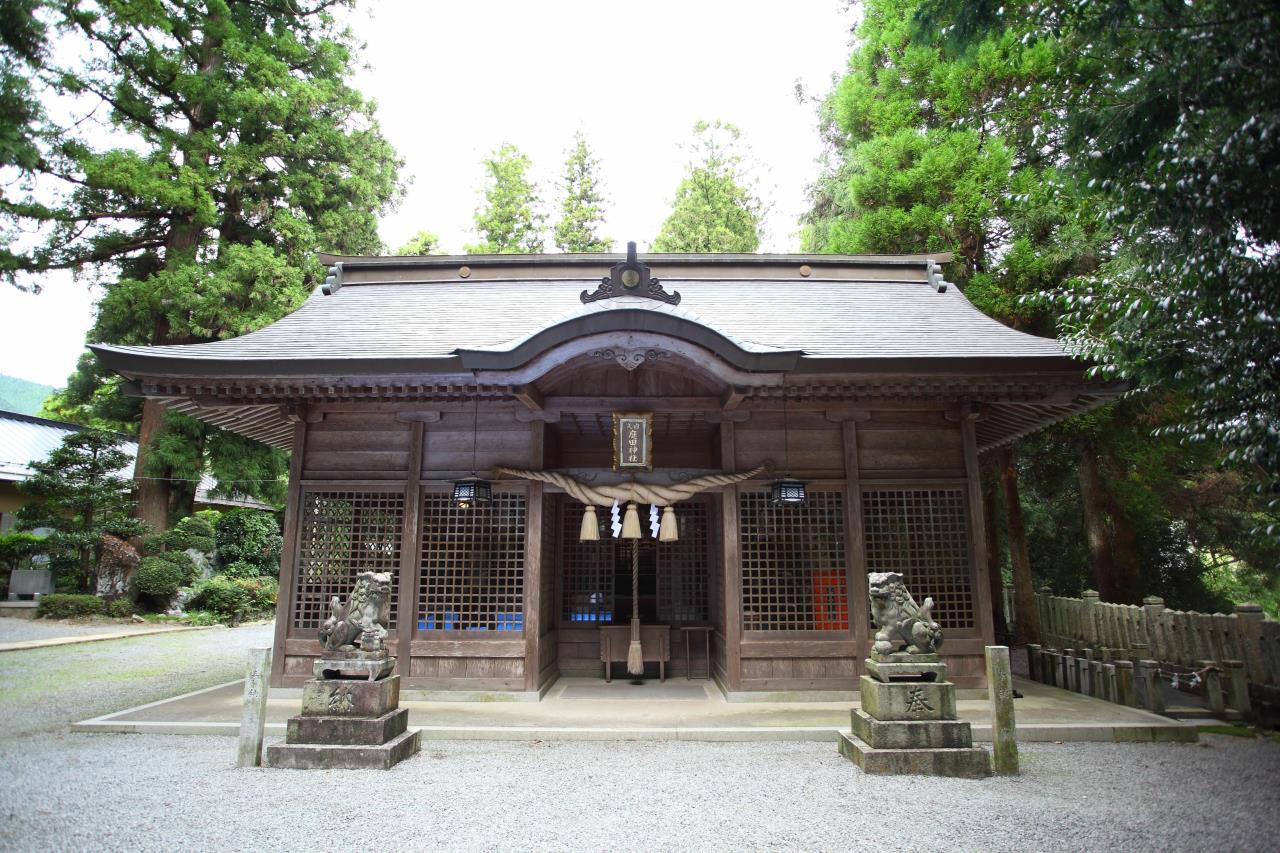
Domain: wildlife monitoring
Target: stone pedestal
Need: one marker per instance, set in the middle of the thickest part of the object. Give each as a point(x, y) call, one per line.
point(907, 723)
point(348, 723)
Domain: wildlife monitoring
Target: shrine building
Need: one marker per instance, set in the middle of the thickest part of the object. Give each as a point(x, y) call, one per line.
point(451, 418)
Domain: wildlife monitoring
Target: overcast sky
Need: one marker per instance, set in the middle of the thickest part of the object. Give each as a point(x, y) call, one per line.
point(455, 80)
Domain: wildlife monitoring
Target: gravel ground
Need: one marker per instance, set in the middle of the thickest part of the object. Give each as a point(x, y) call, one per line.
point(72, 791)
point(19, 630)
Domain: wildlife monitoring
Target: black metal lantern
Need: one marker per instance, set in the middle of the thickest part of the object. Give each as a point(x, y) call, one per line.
point(786, 491)
point(473, 491)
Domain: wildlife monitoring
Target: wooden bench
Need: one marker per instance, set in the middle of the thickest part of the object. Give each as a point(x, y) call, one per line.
point(615, 640)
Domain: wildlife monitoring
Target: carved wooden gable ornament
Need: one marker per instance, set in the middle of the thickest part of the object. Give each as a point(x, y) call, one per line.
point(630, 278)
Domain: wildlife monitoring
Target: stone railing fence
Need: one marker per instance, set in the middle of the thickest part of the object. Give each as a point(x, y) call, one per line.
point(1240, 651)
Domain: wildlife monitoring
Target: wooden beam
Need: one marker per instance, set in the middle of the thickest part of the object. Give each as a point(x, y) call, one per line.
point(855, 544)
point(733, 397)
point(977, 534)
point(410, 545)
point(289, 554)
point(530, 396)
point(732, 569)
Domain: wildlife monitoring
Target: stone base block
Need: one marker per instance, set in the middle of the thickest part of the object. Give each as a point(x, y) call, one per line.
point(313, 756)
point(930, 734)
point(886, 672)
point(339, 697)
point(354, 664)
point(904, 657)
point(908, 700)
point(351, 731)
point(966, 762)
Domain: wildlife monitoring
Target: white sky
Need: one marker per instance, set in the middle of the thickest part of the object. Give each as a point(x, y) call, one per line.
point(453, 80)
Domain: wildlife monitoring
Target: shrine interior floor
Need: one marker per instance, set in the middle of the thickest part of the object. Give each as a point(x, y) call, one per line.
point(679, 709)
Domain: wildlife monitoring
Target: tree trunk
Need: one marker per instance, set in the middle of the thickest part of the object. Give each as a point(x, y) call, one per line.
point(1026, 617)
point(990, 484)
point(153, 494)
point(1093, 500)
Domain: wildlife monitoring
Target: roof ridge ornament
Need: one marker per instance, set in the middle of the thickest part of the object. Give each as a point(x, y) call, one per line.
point(630, 278)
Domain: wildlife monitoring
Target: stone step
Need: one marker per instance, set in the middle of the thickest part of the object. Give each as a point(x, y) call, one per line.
point(348, 697)
point(347, 730)
point(921, 734)
point(311, 756)
point(970, 763)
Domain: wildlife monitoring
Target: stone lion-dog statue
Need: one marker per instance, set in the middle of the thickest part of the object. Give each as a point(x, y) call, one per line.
point(362, 621)
point(899, 619)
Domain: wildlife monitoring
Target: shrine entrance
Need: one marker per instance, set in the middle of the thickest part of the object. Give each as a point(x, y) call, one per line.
point(678, 583)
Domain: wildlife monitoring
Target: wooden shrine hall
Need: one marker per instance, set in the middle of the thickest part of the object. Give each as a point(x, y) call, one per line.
point(464, 423)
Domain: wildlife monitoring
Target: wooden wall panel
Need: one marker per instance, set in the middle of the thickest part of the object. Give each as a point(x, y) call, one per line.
point(814, 446)
point(906, 444)
point(357, 446)
point(499, 440)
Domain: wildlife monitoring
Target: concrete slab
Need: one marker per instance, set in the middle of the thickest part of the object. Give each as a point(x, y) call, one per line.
point(1044, 714)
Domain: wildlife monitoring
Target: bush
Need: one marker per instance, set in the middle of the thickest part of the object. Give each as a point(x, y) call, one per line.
point(195, 531)
point(59, 606)
point(262, 591)
point(16, 549)
point(159, 577)
point(240, 569)
point(250, 536)
point(121, 608)
point(222, 595)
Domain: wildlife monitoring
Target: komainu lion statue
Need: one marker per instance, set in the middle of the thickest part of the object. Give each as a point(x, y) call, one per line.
point(899, 619)
point(363, 620)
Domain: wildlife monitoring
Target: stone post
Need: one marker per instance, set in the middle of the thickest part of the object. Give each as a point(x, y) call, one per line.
point(1211, 682)
point(1152, 689)
point(1237, 688)
point(1249, 630)
point(1033, 661)
point(1126, 694)
point(1152, 607)
point(1003, 728)
point(1089, 610)
point(1108, 683)
point(1087, 683)
point(258, 669)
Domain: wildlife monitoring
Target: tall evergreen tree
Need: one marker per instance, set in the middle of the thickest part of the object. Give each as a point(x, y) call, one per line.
point(246, 151)
point(422, 243)
point(717, 207)
point(582, 208)
point(510, 221)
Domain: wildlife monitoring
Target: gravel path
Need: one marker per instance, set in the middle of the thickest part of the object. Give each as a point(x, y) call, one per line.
point(155, 792)
point(17, 630)
point(71, 791)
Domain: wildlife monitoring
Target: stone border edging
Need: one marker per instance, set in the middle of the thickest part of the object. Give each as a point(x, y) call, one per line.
point(23, 645)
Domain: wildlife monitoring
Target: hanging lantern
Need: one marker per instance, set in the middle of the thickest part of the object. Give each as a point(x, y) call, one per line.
point(667, 530)
point(787, 492)
point(631, 522)
point(590, 531)
point(472, 491)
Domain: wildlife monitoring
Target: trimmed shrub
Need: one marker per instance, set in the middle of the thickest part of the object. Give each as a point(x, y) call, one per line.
point(159, 577)
point(262, 591)
point(60, 606)
point(240, 569)
point(121, 608)
point(250, 536)
point(223, 596)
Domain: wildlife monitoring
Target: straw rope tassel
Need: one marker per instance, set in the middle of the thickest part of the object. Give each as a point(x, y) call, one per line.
point(635, 654)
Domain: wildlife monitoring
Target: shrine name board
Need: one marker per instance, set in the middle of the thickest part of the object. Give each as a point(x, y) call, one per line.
point(632, 441)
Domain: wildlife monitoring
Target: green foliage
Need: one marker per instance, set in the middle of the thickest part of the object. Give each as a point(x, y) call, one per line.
point(250, 536)
point(60, 606)
point(240, 569)
point(717, 207)
point(262, 592)
point(422, 243)
point(194, 531)
point(79, 494)
point(582, 207)
point(510, 220)
point(226, 597)
point(22, 396)
point(158, 578)
point(17, 548)
point(235, 149)
point(120, 608)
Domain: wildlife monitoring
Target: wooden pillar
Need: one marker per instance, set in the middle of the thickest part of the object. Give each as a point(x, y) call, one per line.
point(289, 553)
point(410, 544)
point(977, 531)
point(533, 567)
point(732, 565)
point(855, 543)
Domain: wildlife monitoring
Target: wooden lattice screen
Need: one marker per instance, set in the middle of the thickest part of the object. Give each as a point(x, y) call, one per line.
point(923, 534)
point(683, 570)
point(472, 564)
point(793, 563)
point(587, 569)
point(343, 533)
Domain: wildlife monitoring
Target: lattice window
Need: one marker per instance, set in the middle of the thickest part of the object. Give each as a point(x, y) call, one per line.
point(342, 534)
point(586, 569)
point(924, 535)
point(793, 563)
point(472, 565)
point(682, 569)
point(547, 595)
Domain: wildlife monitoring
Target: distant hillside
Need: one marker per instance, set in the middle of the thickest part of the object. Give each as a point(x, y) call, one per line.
point(22, 396)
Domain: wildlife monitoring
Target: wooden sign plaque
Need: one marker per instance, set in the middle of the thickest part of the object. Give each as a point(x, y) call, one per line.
point(632, 441)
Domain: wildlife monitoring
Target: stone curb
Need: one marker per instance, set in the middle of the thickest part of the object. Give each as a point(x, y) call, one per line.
point(97, 638)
